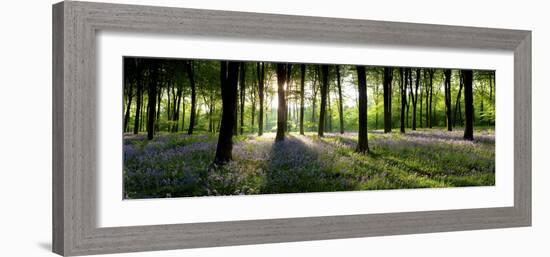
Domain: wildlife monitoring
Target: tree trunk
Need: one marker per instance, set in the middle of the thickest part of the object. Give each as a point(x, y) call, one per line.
point(211, 112)
point(229, 76)
point(302, 82)
point(260, 72)
point(408, 83)
point(388, 77)
point(431, 76)
point(324, 89)
point(128, 104)
point(282, 70)
point(314, 97)
point(448, 119)
point(168, 117)
point(458, 113)
point(467, 77)
point(403, 92)
point(415, 98)
point(423, 85)
point(191, 75)
point(159, 98)
point(152, 98)
point(242, 94)
point(287, 96)
point(329, 112)
point(427, 89)
point(253, 107)
point(177, 111)
point(139, 100)
point(491, 85)
point(340, 103)
point(362, 143)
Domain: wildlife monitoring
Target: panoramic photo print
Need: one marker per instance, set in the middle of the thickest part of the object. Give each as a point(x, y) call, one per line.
point(217, 127)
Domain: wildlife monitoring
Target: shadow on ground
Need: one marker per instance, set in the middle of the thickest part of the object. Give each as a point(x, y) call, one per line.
point(298, 165)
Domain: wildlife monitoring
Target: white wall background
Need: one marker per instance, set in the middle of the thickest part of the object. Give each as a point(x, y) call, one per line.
point(25, 127)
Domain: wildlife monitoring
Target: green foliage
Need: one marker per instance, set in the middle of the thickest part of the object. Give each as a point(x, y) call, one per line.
point(180, 165)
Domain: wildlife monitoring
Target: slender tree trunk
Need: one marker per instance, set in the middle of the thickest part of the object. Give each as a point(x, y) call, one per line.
point(288, 96)
point(431, 76)
point(128, 104)
point(403, 91)
point(302, 83)
point(168, 117)
point(427, 89)
point(415, 98)
point(340, 103)
point(211, 112)
point(448, 119)
point(177, 111)
point(229, 76)
point(159, 98)
point(422, 86)
point(260, 72)
point(408, 83)
point(152, 97)
point(243, 94)
point(388, 77)
point(329, 112)
point(314, 89)
point(183, 113)
point(324, 90)
point(467, 77)
point(143, 120)
point(362, 143)
point(191, 75)
point(458, 113)
point(377, 99)
point(491, 85)
point(139, 99)
point(282, 70)
point(253, 107)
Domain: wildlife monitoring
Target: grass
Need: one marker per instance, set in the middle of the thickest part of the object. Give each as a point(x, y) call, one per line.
point(177, 165)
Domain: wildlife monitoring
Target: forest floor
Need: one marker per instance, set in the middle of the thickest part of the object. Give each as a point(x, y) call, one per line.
point(175, 165)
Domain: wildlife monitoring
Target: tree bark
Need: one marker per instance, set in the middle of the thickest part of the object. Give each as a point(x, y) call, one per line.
point(408, 83)
point(362, 143)
point(129, 85)
point(242, 94)
point(139, 99)
point(229, 76)
point(422, 86)
point(282, 70)
point(388, 77)
point(340, 103)
point(458, 112)
point(431, 76)
point(287, 96)
point(159, 98)
point(152, 98)
point(314, 89)
point(302, 82)
point(191, 75)
point(253, 107)
point(467, 77)
point(448, 119)
point(415, 98)
point(260, 72)
point(324, 89)
point(403, 92)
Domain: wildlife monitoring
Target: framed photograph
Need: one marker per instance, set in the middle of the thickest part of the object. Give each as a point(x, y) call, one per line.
point(183, 128)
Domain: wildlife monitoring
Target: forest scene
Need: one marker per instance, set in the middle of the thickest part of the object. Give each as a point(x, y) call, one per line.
point(213, 128)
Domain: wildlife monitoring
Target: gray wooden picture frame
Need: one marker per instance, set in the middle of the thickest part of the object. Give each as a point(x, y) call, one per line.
point(74, 130)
